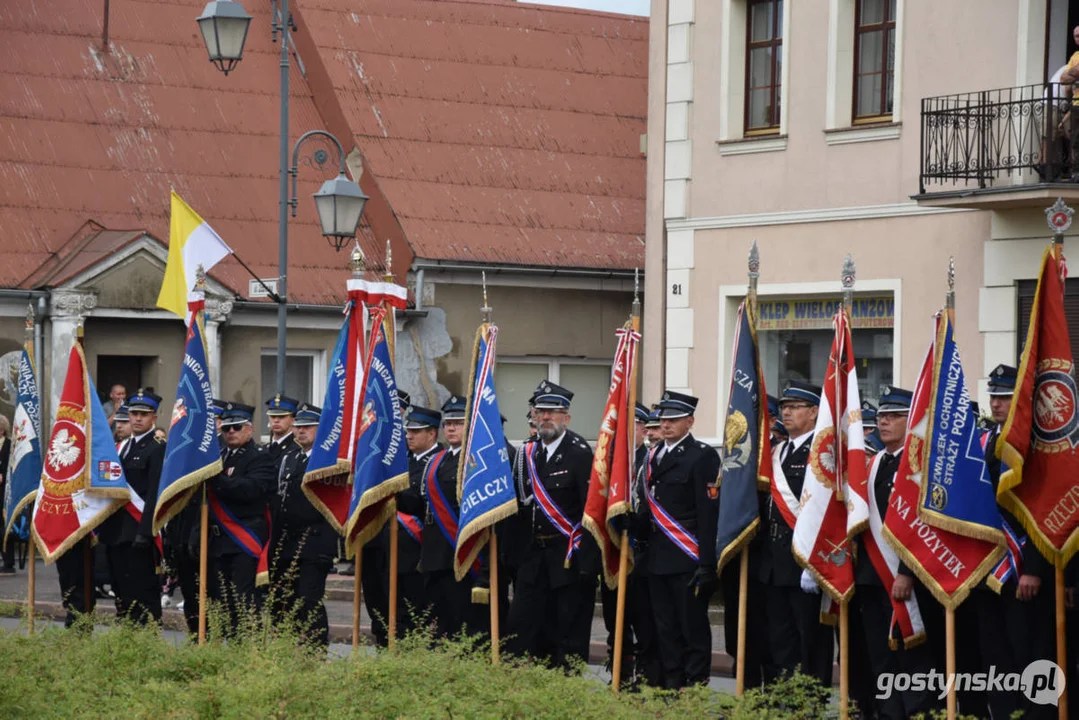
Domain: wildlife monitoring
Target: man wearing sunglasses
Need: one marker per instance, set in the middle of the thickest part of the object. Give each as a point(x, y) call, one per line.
point(239, 523)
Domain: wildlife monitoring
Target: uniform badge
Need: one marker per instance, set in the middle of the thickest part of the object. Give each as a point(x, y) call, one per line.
point(229, 471)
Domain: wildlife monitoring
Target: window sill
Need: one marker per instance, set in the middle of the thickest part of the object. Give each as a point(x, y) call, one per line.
point(750, 145)
point(863, 133)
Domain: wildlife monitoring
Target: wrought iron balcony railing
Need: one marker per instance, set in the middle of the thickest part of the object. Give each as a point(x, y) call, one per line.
point(1022, 133)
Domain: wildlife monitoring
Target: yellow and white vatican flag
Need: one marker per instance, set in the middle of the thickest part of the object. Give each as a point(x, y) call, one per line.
point(192, 242)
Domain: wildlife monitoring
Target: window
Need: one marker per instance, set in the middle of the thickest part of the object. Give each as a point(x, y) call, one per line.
point(764, 66)
point(1025, 291)
point(304, 380)
point(874, 60)
point(588, 380)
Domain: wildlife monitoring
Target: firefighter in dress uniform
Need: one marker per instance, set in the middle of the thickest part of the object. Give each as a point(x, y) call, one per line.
point(239, 499)
point(421, 434)
point(304, 542)
point(681, 501)
point(129, 541)
point(554, 598)
point(1015, 627)
point(796, 637)
point(872, 604)
point(280, 415)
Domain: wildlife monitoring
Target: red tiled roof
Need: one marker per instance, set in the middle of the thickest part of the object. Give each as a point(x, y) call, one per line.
point(499, 132)
point(90, 136)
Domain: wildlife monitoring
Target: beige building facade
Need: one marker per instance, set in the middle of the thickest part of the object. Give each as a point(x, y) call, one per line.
point(822, 128)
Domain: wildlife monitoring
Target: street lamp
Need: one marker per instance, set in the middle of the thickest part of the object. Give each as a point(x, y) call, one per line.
point(224, 30)
point(339, 202)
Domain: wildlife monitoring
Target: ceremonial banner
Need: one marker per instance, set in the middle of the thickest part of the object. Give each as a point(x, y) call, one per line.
point(947, 563)
point(1041, 485)
point(834, 499)
point(191, 243)
point(484, 481)
point(24, 466)
point(381, 456)
point(612, 466)
point(82, 481)
point(747, 444)
point(193, 453)
point(329, 467)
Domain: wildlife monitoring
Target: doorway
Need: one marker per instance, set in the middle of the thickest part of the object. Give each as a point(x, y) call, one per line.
point(131, 371)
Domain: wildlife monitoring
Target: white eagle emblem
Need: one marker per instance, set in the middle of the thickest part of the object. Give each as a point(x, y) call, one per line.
point(62, 450)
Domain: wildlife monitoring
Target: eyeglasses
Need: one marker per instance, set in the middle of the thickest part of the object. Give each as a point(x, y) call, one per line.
point(232, 428)
point(795, 406)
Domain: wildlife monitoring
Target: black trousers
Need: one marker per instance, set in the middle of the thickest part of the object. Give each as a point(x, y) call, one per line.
point(757, 653)
point(71, 569)
point(187, 572)
point(411, 602)
point(9, 550)
point(134, 580)
point(649, 666)
point(872, 610)
point(232, 586)
point(299, 591)
point(683, 631)
point(375, 579)
point(796, 636)
point(609, 600)
point(552, 624)
point(450, 602)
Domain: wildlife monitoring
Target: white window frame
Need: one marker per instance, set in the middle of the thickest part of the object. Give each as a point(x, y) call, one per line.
point(318, 381)
point(554, 368)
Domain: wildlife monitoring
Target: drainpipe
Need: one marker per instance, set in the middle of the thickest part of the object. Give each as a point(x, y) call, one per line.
point(419, 289)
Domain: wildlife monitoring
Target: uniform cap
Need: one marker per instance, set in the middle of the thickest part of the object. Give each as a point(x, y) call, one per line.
point(676, 405)
point(307, 415)
point(549, 396)
point(217, 406)
point(234, 413)
point(144, 400)
point(653, 417)
point(798, 391)
point(280, 405)
point(869, 415)
point(773, 406)
point(641, 413)
point(894, 400)
point(421, 418)
point(454, 408)
point(121, 414)
point(1002, 380)
point(403, 398)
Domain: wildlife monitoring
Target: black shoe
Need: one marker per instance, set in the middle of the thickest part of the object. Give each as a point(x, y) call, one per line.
point(7, 571)
point(348, 571)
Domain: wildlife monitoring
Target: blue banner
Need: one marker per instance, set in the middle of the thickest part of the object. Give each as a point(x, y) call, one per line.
point(381, 457)
point(485, 486)
point(24, 466)
point(958, 494)
point(193, 452)
point(325, 451)
point(746, 423)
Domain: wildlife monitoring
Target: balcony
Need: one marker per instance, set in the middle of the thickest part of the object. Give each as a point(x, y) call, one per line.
point(998, 149)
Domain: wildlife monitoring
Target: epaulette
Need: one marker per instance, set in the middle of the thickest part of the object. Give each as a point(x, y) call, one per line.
point(581, 443)
point(159, 441)
point(703, 445)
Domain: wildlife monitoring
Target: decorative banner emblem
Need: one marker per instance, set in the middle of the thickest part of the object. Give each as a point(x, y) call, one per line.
point(1059, 216)
point(64, 463)
point(938, 496)
point(822, 458)
point(108, 470)
point(179, 411)
point(1056, 426)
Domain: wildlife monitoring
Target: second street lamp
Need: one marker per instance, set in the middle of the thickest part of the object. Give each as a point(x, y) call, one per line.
point(340, 202)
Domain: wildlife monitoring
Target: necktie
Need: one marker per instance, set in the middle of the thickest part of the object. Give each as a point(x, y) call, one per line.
point(787, 450)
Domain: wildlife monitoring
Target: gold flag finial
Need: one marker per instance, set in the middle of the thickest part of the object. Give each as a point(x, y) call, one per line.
point(200, 278)
point(486, 309)
point(356, 261)
point(389, 262)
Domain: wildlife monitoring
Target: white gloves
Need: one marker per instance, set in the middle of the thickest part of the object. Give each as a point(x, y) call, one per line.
point(808, 583)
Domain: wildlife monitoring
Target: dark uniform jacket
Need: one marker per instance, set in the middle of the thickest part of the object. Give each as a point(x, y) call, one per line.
point(297, 525)
point(411, 502)
point(683, 483)
point(565, 477)
point(640, 521)
point(881, 485)
point(1033, 561)
point(774, 560)
point(142, 469)
point(245, 486)
point(437, 552)
point(280, 448)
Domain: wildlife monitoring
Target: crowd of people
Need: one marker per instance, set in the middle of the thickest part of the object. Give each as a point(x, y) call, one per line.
point(549, 571)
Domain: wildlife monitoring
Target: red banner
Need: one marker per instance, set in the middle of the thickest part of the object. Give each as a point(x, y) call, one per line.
point(1040, 484)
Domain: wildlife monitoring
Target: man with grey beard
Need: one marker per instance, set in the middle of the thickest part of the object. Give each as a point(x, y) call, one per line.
point(555, 591)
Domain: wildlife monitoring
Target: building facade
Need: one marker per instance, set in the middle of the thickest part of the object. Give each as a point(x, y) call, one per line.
point(876, 128)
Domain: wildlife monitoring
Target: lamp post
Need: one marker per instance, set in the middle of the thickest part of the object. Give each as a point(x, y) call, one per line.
point(339, 201)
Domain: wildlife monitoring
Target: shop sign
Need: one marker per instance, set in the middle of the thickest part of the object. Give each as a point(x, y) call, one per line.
point(868, 312)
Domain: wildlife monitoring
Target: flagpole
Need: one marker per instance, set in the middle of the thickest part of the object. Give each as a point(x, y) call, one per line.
point(1061, 623)
point(28, 344)
point(630, 426)
point(743, 559)
point(356, 263)
point(395, 527)
point(204, 513)
point(848, 278)
point(88, 548)
point(493, 541)
point(949, 612)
